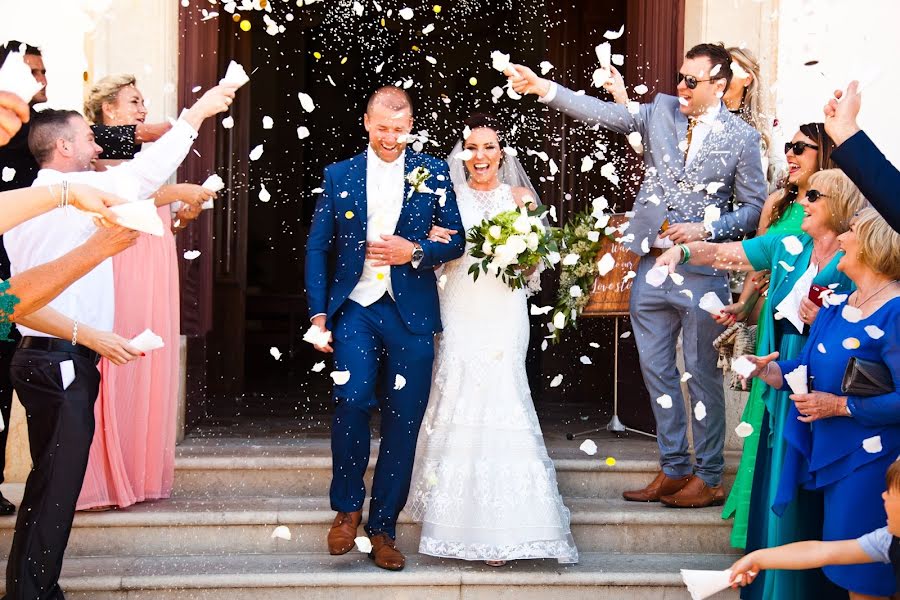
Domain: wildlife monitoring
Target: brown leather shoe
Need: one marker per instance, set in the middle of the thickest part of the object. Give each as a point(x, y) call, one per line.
point(385, 554)
point(342, 535)
point(663, 485)
point(696, 494)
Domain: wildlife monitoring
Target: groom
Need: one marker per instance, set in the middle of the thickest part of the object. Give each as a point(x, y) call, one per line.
point(698, 157)
point(370, 282)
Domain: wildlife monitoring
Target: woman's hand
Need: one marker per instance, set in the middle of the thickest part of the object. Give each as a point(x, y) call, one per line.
point(441, 234)
point(110, 346)
point(761, 281)
point(189, 193)
point(615, 85)
point(761, 367)
point(819, 405)
point(744, 571)
point(731, 314)
point(670, 259)
point(13, 112)
point(808, 311)
point(112, 240)
point(89, 199)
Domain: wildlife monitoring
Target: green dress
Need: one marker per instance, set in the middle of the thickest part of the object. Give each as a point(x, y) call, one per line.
point(738, 503)
point(7, 307)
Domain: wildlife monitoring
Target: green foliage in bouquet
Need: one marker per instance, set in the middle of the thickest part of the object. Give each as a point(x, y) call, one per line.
point(581, 238)
point(510, 244)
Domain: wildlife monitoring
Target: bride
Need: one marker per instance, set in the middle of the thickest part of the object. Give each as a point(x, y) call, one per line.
point(484, 487)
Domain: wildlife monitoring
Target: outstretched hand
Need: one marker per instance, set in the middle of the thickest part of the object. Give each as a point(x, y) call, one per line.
point(526, 81)
point(841, 112)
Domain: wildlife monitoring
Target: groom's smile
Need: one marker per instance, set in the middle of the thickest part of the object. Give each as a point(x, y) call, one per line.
point(388, 127)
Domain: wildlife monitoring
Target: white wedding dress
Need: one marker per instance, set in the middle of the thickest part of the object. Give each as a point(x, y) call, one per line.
point(484, 487)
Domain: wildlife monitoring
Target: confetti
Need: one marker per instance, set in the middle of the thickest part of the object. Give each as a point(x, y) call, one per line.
point(821, 348)
point(191, 254)
point(604, 55)
point(340, 377)
point(256, 152)
point(744, 429)
point(228, 122)
point(264, 195)
point(585, 360)
point(306, 102)
point(665, 401)
point(851, 343)
point(874, 332)
point(700, 411)
point(610, 461)
point(540, 310)
point(635, 140)
point(556, 381)
point(641, 89)
point(316, 336)
point(275, 352)
point(281, 532)
point(570, 259)
point(712, 187)
point(363, 544)
point(499, 61)
point(742, 366)
point(792, 244)
point(318, 367)
point(358, 8)
point(657, 276)
point(16, 77)
point(575, 291)
point(302, 132)
point(614, 35)
point(588, 447)
point(851, 314)
point(268, 122)
point(8, 174)
point(546, 67)
point(428, 29)
point(677, 278)
point(685, 377)
point(786, 266)
point(872, 445)
point(609, 171)
point(587, 163)
point(406, 13)
point(399, 382)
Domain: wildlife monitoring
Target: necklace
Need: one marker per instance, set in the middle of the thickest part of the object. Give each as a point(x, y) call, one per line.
point(878, 291)
point(818, 261)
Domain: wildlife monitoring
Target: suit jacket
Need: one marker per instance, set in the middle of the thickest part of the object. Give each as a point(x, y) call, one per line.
point(336, 249)
point(729, 156)
point(873, 174)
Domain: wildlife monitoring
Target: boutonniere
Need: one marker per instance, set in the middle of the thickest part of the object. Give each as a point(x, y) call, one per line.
point(416, 180)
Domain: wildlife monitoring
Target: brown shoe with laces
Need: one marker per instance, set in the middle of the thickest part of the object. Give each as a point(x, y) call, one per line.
point(696, 494)
point(342, 535)
point(385, 553)
point(662, 485)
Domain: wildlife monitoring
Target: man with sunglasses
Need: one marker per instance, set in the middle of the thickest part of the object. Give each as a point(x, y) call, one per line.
point(698, 157)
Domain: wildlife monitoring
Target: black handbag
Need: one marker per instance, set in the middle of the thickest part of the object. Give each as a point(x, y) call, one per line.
point(866, 378)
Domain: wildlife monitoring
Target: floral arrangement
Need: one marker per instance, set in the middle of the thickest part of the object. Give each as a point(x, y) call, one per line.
point(510, 244)
point(580, 240)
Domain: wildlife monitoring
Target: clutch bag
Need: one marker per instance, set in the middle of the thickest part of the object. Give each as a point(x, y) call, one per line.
point(866, 378)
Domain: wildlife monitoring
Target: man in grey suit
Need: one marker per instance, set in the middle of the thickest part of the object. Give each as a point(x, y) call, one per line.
point(698, 158)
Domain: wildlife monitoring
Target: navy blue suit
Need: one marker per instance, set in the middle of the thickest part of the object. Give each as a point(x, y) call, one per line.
point(873, 174)
point(376, 343)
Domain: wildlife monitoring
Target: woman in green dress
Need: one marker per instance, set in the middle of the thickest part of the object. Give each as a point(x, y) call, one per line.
point(807, 153)
point(797, 261)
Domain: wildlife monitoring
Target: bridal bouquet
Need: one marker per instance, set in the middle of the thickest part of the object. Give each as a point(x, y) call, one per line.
point(510, 244)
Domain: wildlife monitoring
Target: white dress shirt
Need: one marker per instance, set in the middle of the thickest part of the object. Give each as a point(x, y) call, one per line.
point(384, 201)
point(702, 129)
point(91, 299)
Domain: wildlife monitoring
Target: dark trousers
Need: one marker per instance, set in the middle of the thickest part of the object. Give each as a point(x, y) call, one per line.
point(60, 430)
point(374, 344)
point(7, 349)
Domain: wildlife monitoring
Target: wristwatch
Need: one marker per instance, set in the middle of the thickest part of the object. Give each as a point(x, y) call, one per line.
point(417, 255)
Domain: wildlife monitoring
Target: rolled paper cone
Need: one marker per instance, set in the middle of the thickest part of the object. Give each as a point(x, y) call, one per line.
point(235, 74)
point(742, 366)
point(147, 341)
point(797, 380)
point(711, 303)
point(140, 216)
point(703, 584)
point(16, 77)
point(214, 183)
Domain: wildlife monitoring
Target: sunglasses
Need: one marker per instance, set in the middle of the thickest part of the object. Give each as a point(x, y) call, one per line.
point(813, 195)
point(798, 147)
point(690, 81)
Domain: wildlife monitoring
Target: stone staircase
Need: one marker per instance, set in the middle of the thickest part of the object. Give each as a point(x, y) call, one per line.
point(213, 539)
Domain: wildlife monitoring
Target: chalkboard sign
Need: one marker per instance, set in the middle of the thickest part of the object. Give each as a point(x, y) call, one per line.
point(611, 293)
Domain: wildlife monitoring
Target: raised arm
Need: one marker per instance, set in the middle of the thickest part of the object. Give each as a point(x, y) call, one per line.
point(17, 206)
point(730, 256)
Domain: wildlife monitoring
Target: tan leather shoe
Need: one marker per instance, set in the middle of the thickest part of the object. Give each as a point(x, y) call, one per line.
point(696, 494)
point(663, 485)
point(385, 554)
point(342, 535)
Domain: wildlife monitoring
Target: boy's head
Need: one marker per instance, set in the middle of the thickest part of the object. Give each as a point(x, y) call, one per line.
point(891, 498)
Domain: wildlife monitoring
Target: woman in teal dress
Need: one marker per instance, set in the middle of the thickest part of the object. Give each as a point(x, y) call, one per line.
point(808, 152)
point(796, 262)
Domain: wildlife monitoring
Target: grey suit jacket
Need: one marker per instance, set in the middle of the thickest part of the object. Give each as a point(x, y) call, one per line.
point(729, 156)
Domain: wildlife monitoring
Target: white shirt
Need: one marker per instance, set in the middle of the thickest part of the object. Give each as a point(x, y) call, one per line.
point(702, 129)
point(384, 201)
point(91, 299)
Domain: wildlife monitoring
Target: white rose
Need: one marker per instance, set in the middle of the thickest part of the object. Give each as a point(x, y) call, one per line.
point(522, 224)
point(559, 320)
point(517, 244)
point(554, 257)
point(532, 239)
point(487, 248)
point(575, 291)
point(495, 231)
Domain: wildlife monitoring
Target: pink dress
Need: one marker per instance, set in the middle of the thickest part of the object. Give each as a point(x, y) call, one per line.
point(132, 457)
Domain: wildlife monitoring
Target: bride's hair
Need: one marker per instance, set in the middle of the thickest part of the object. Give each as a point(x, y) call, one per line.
point(489, 121)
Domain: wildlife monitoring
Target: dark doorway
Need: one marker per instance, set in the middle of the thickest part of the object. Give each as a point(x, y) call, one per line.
point(337, 58)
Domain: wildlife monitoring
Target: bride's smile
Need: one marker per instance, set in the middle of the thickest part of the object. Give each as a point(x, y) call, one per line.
point(484, 164)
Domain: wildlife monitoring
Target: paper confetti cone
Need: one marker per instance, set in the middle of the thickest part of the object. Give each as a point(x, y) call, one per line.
point(703, 584)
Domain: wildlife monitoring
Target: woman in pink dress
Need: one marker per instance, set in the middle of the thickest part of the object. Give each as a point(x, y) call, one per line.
point(132, 457)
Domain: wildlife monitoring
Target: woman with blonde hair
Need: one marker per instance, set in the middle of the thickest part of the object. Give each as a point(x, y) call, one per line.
point(803, 265)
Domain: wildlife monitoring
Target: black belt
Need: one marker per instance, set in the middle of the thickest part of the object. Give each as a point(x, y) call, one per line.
point(51, 344)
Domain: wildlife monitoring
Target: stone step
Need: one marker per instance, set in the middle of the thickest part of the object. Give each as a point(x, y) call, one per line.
point(244, 525)
point(598, 576)
point(304, 469)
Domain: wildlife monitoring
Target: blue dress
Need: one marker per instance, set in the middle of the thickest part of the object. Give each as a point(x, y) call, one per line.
point(847, 457)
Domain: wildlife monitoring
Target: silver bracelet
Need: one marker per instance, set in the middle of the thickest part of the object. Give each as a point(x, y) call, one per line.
point(74, 332)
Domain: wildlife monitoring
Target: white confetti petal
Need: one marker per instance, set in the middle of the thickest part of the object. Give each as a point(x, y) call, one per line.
point(792, 244)
point(264, 195)
point(306, 102)
point(872, 445)
point(593, 344)
point(268, 122)
point(546, 67)
point(744, 429)
point(665, 401)
point(318, 367)
point(821, 348)
point(713, 187)
point(191, 254)
point(851, 314)
point(874, 332)
point(786, 266)
point(641, 89)
point(399, 382)
point(687, 293)
point(559, 320)
point(556, 381)
point(281, 532)
point(625, 335)
point(302, 132)
point(657, 276)
point(540, 310)
point(570, 259)
point(850, 343)
point(606, 264)
point(363, 544)
point(228, 122)
point(256, 152)
point(678, 278)
point(8, 174)
point(358, 9)
point(685, 377)
point(428, 29)
point(340, 377)
point(614, 35)
point(406, 13)
point(317, 336)
point(587, 163)
point(585, 360)
point(275, 352)
point(700, 411)
point(499, 61)
point(588, 447)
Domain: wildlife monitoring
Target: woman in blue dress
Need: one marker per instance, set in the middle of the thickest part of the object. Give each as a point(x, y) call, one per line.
point(838, 444)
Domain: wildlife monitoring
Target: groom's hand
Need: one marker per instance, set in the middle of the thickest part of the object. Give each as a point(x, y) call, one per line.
point(319, 321)
point(682, 233)
point(526, 81)
point(392, 250)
